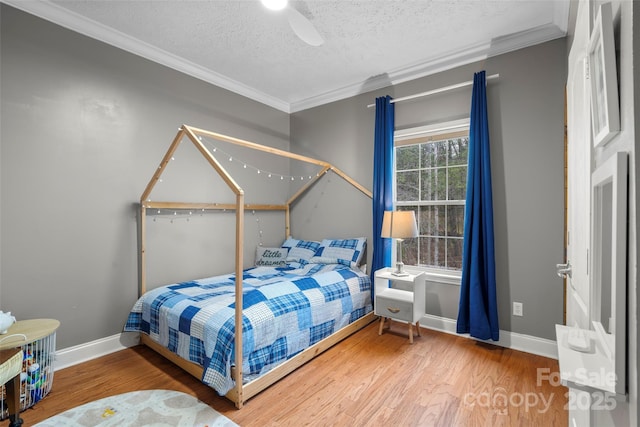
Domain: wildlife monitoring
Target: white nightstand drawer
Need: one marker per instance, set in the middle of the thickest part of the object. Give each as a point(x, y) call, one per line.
point(388, 306)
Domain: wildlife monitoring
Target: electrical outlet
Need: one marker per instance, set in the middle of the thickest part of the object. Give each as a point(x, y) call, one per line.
point(517, 309)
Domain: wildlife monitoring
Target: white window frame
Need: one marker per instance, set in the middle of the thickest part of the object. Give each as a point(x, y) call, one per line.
point(439, 275)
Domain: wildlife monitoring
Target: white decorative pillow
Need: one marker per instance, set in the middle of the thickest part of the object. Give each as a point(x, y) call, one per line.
point(340, 251)
point(271, 257)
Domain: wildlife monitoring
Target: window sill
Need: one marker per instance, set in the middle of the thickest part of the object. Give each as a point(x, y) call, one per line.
point(440, 276)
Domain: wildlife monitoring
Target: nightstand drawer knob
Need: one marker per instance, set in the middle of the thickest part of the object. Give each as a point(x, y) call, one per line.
point(393, 310)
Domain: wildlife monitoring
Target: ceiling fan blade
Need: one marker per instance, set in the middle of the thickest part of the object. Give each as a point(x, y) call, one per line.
point(303, 28)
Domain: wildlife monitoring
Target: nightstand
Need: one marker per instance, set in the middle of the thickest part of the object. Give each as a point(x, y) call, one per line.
point(398, 304)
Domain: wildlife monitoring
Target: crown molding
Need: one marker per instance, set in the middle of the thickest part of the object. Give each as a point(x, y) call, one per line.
point(544, 33)
point(78, 23)
point(434, 65)
point(90, 28)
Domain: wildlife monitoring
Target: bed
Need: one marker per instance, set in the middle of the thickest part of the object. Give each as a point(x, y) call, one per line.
point(285, 310)
point(299, 300)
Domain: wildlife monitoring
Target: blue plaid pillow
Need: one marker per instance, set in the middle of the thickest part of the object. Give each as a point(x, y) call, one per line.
point(300, 250)
point(340, 251)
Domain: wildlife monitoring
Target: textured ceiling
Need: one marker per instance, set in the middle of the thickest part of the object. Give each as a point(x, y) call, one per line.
point(241, 46)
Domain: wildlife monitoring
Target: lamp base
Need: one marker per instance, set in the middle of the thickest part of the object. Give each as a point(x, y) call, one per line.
point(399, 272)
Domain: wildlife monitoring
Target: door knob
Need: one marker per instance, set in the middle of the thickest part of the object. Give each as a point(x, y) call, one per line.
point(564, 270)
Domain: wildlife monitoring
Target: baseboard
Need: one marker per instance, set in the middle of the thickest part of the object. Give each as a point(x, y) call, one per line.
point(513, 340)
point(81, 353)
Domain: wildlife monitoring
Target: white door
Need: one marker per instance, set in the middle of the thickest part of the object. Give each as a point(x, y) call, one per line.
point(578, 174)
point(578, 197)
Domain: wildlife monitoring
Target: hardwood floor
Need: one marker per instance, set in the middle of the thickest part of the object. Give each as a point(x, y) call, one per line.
point(366, 380)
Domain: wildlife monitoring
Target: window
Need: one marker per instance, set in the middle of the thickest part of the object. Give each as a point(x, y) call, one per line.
point(431, 179)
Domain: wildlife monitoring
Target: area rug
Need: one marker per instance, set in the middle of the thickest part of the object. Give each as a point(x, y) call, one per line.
point(158, 408)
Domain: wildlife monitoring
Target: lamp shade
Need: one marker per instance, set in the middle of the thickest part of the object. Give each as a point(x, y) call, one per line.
point(399, 224)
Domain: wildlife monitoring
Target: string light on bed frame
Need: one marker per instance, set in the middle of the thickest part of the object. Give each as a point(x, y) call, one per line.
point(172, 214)
point(245, 165)
point(253, 212)
point(160, 179)
point(259, 171)
point(179, 214)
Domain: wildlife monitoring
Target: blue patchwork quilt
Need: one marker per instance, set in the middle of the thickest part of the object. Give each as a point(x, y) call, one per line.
point(285, 310)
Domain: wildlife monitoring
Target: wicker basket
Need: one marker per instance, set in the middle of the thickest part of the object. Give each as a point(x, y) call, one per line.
point(10, 368)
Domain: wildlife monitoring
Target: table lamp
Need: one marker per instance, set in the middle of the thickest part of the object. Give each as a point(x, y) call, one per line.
point(399, 225)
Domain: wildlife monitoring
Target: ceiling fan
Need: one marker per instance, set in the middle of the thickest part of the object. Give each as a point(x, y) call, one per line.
point(300, 25)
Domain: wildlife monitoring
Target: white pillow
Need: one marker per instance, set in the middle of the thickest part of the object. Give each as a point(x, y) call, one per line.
point(271, 257)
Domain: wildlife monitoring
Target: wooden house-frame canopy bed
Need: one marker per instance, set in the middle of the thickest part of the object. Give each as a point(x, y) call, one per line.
point(349, 277)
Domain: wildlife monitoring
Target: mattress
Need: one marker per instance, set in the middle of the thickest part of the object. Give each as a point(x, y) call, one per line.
point(285, 310)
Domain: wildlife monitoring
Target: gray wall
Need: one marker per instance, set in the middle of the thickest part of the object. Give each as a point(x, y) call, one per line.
point(526, 114)
point(84, 126)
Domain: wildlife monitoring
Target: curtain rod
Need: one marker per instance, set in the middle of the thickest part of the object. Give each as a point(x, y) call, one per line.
point(434, 91)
